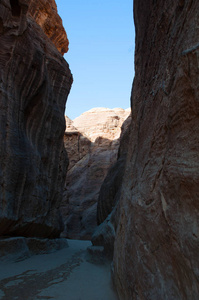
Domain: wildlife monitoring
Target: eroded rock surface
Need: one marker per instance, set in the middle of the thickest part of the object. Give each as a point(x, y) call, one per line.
point(45, 14)
point(34, 83)
point(157, 242)
point(111, 187)
point(92, 142)
point(109, 195)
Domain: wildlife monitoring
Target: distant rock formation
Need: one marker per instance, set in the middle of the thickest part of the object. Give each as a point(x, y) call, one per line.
point(34, 83)
point(111, 187)
point(157, 239)
point(92, 142)
point(109, 195)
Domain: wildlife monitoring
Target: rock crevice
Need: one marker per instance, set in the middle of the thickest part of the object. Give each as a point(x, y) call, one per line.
point(92, 142)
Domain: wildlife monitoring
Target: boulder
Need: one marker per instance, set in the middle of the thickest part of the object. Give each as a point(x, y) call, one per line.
point(104, 236)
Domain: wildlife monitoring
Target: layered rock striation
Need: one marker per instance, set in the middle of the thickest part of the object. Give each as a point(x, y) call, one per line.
point(157, 240)
point(34, 83)
point(92, 142)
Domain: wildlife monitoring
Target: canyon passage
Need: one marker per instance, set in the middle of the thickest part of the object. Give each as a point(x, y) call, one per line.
point(146, 242)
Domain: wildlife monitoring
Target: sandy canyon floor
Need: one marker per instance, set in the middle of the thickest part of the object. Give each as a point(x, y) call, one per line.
point(68, 274)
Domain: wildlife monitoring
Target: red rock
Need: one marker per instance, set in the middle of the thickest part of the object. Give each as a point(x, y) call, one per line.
point(157, 241)
point(45, 14)
point(34, 83)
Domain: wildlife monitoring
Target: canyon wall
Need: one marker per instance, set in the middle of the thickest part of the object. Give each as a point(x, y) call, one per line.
point(92, 142)
point(157, 240)
point(34, 83)
point(109, 195)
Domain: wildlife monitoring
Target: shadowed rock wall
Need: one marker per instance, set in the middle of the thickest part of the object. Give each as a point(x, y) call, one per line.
point(109, 195)
point(34, 83)
point(111, 186)
point(157, 242)
point(92, 142)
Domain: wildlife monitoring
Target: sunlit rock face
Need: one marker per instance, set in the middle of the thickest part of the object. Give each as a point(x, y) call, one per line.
point(34, 83)
point(92, 142)
point(157, 242)
point(44, 12)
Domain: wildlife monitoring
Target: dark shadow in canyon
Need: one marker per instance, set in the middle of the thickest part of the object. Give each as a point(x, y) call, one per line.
point(88, 167)
point(15, 8)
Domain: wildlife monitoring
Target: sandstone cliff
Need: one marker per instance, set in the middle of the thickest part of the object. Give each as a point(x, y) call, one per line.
point(92, 142)
point(108, 201)
point(34, 83)
point(157, 242)
point(110, 188)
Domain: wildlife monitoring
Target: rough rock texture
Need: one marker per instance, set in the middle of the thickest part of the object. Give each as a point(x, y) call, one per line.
point(76, 144)
point(102, 122)
point(104, 235)
point(45, 14)
point(157, 242)
point(111, 187)
point(34, 83)
point(92, 142)
point(109, 195)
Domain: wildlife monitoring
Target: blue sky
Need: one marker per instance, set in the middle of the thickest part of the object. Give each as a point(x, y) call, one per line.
point(101, 53)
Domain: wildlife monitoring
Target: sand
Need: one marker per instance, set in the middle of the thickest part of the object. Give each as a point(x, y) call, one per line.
point(68, 274)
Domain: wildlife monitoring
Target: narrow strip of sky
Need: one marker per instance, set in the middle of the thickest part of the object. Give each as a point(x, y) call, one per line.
point(101, 53)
